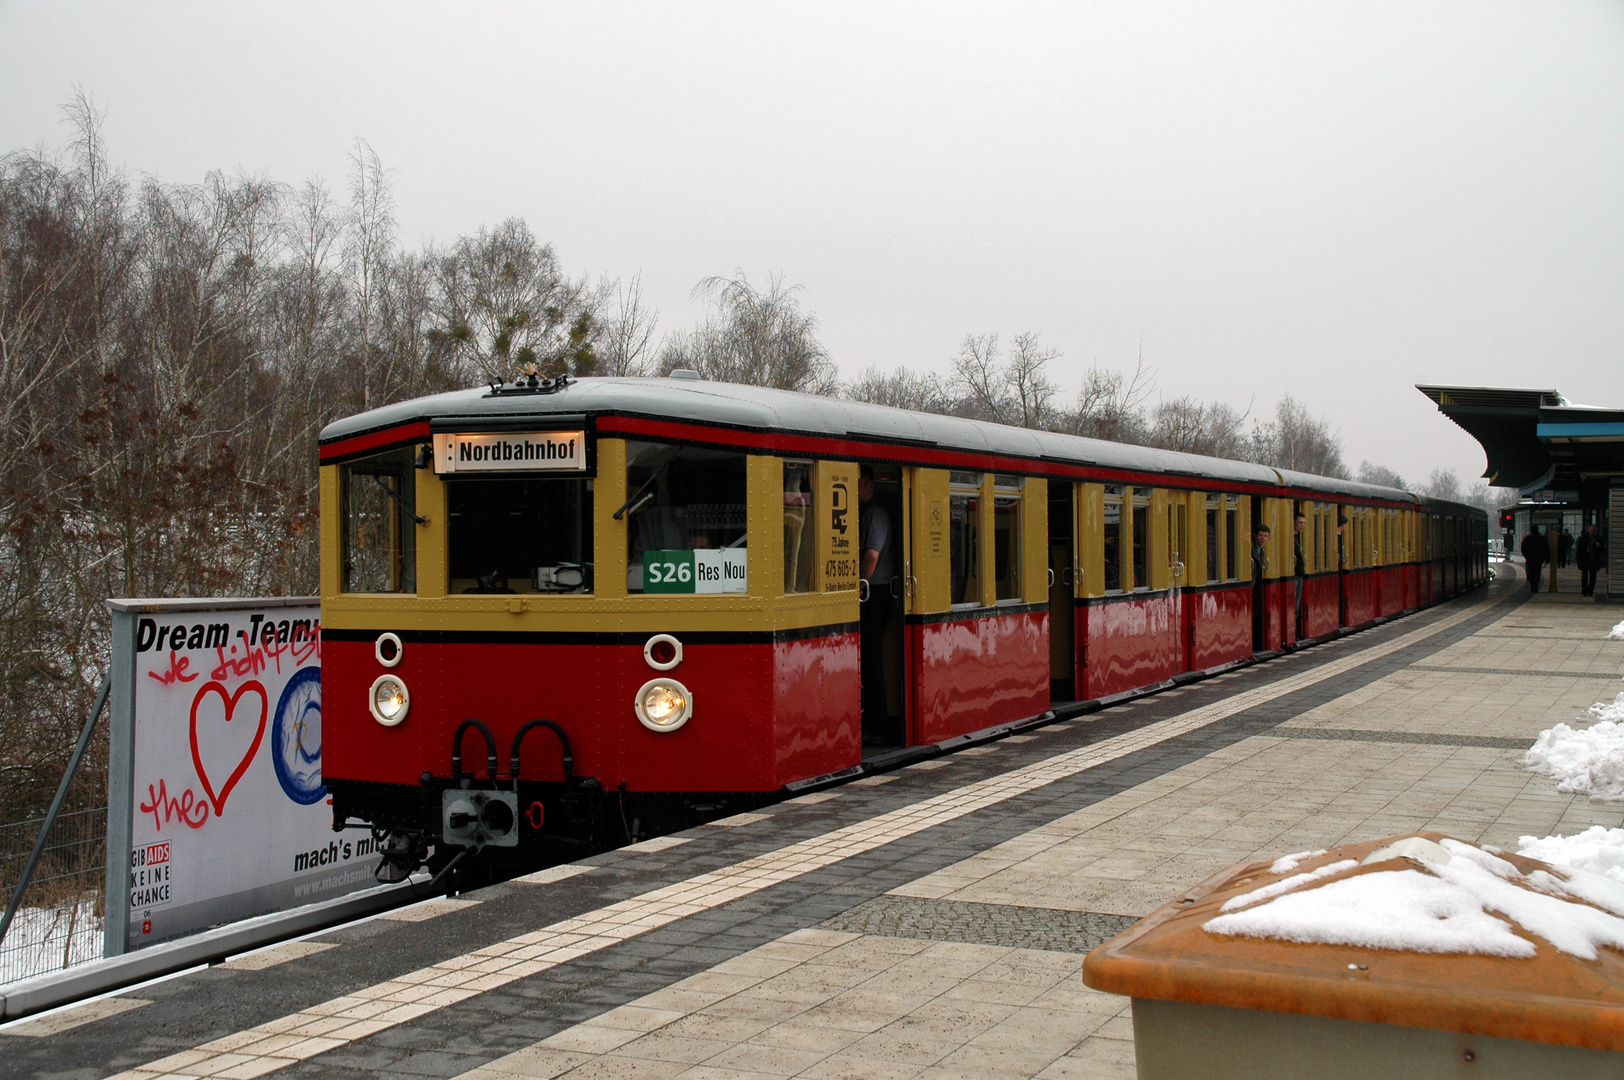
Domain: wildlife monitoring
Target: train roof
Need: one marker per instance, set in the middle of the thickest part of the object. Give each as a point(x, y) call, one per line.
point(784, 412)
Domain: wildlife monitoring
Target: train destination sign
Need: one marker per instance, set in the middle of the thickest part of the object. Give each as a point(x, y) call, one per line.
point(510, 451)
point(706, 570)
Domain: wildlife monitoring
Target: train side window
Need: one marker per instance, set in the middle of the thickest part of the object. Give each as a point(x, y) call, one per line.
point(519, 535)
point(1214, 510)
point(380, 537)
point(681, 501)
point(1232, 539)
point(1006, 532)
point(1141, 541)
point(1113, 539)
point(798, 525)
point(964, 538)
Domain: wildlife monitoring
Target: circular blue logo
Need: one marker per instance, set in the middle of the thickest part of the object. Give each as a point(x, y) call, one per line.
point(296, 738)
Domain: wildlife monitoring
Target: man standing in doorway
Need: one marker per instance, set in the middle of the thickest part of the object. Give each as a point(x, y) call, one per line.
point(1536, 552)
point(877, 540)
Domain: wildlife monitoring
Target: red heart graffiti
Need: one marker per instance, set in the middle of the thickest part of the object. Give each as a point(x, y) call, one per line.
point(219, 801)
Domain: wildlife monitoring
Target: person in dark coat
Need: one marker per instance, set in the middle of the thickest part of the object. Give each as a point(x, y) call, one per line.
point(1590, 554)
point(1564, 548)
point(1536, 552)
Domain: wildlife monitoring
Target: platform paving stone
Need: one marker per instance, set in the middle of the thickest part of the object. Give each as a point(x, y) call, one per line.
point(930, 925)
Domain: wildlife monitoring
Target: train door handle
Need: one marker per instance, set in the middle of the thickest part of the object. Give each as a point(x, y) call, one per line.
point(1178, 569)
point(862, 590)
point(1065, 575)
point(911, 585)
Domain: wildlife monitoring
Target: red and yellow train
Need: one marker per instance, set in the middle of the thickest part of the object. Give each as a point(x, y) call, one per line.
point(558, 615)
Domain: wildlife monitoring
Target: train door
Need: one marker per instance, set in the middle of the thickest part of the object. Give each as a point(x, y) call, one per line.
point(883, 518)
point(1177, 547)
point(1062, 592)
point(1260, 610)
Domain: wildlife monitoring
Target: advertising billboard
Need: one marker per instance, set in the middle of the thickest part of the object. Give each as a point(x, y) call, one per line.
point(216, 807)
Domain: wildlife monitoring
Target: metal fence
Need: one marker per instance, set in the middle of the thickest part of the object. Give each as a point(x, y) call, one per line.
point(59, 923)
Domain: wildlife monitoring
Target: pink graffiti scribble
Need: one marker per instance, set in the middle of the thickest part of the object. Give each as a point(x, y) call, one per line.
point(189, 810)
point(178, 667)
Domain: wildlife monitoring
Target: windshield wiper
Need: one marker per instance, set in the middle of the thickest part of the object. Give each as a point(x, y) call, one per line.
point(641, 497)
point(393, 494)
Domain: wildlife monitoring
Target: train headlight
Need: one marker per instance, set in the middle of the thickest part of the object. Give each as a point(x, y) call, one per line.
point(664, 704)
point(389, 700)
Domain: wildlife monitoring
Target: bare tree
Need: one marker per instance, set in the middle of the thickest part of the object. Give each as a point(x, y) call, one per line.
point(504, 304)
point(1194, 427)
point(1111, 406)
point(1380, 475)
point(1443, 484)
point(1298, 440)
point(628, 338)
point(978, 378)
point(754, 337)
point(901, 389)
point(370, 238)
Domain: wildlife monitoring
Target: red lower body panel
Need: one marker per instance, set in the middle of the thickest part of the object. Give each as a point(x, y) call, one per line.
point(1322, 606)
point(1129, 643)
point(1359, 597)
point(764, 713)
point(974, 673)
point(1220, 626)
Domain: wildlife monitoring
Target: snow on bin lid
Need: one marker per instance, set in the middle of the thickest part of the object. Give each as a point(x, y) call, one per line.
point(1421, 931)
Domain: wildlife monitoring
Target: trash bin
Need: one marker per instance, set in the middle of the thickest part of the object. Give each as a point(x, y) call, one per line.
point(1405, 957)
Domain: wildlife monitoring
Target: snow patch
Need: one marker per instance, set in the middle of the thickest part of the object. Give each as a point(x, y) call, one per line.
point(1584, 761)
point(1285, 864)
point(42, 940)
point(1257, 896)
point(1597, 850)
point(1616, 633)
point(1468, 905)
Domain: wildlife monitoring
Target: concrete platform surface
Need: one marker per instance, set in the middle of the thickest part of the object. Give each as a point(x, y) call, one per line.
point(925, 923)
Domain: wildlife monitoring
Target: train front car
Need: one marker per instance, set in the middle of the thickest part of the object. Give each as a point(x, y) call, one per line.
point(560, 616)
point(545, 635)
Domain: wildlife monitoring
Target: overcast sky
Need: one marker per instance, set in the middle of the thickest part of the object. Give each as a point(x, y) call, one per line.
point(1334, 201)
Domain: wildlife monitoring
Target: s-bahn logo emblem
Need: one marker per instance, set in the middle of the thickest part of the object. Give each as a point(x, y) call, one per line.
point(838, 506)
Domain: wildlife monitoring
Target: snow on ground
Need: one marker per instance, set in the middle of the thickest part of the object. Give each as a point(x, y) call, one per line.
point(1598, 850)
point(42, 940)
point(1584, 761)
point(1616, 633)
point(1444, 908)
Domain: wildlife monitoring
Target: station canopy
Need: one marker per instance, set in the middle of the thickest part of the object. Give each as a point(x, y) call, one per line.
point(1538, 442)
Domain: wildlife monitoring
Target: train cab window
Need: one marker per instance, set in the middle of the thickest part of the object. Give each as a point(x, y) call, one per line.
point(685, 515)
point(525, 534)
point(798, 525)
point(1214, 512)
point(1141, 541)
point(1232, 539)
point(964, 538)
point(1113, 538)
point(380, 531)
point(1006, 530)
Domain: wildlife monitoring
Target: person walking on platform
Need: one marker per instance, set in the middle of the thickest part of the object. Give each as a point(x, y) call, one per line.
point(1591, 553)
point(1564, 548)
point(1536, 552)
